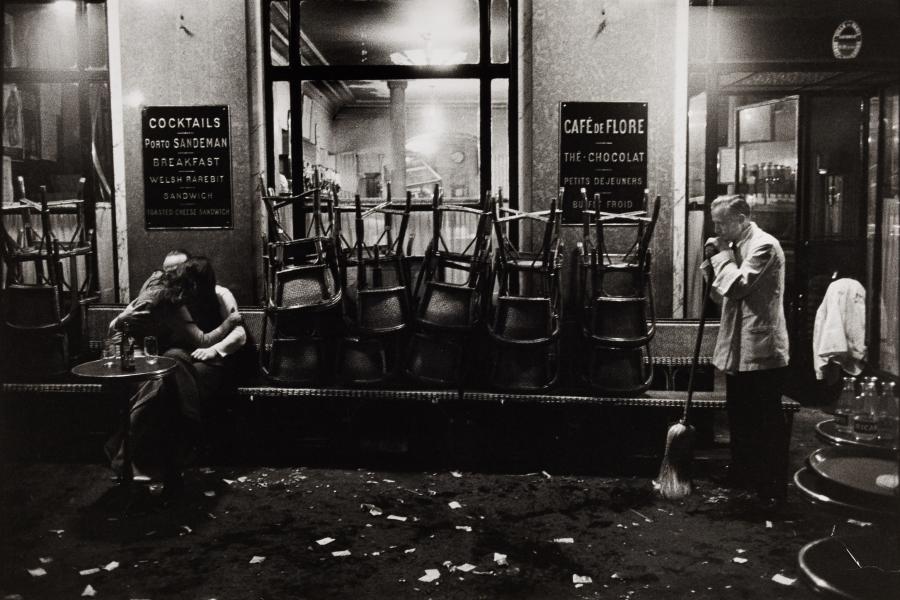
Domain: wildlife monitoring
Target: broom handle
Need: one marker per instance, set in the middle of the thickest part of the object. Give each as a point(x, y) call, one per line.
point(696, 357)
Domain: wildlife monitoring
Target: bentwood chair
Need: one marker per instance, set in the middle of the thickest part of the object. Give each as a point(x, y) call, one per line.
point(452, 284)
point(524, 318)
point(39, 320)
point(618, 319)
point(302, 296)
point(376, 294)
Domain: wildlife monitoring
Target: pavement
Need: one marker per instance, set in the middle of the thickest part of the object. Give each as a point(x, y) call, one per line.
point(502, 512)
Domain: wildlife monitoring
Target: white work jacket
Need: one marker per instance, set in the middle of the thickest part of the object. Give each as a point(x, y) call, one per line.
point(748, 280)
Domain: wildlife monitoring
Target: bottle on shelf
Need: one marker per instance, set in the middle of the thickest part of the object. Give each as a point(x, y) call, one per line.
point(888, 413)
point(865, 423)
point(843, 411)
point(127, 350)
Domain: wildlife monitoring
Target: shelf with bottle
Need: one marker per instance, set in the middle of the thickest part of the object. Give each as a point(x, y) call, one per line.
point(771, 183)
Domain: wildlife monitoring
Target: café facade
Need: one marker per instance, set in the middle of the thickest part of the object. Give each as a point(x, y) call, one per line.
point(365, 148)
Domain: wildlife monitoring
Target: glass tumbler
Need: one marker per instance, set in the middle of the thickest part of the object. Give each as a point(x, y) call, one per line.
point(110, 352)
point(151, 349)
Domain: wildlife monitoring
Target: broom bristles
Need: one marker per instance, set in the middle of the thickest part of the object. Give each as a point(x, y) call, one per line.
point(674, 479)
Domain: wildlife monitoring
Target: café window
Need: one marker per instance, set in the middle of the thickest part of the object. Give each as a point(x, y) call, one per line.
point(406, 93)
point(56, 117)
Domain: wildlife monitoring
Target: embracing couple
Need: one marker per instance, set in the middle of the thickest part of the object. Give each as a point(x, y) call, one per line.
point(198, 324)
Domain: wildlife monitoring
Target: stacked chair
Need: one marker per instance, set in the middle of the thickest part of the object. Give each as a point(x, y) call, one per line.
point(616, 299)
point(42, 301)
point(376, 295)
point(450, 287)
point(302, 293)
point(524, 318)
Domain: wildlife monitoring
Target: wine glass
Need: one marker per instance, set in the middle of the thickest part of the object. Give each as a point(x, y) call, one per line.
point(151, 349)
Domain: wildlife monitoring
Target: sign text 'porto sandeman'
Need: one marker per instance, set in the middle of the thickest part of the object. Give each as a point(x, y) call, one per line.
point(187, 167)
point(603, 149)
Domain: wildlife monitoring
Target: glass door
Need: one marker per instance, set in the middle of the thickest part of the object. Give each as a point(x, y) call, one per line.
point(766, 134)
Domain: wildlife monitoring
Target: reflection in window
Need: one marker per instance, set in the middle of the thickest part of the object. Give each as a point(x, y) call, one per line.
point(279, 32)
point(96, 36)
point(889, 350)
point(389, 32)
point(49, 148)
point(393, 93)
point(499, 31)
point(57, 126)
point(40, 36)
point(440, 118)
point(499, 136)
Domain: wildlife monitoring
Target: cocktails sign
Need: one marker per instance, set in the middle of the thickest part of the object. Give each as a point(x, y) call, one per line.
point(603, 149)
point(187, 167)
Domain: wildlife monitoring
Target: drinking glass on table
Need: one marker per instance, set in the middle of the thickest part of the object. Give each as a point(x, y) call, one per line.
point(151, 349)
point(110, 352)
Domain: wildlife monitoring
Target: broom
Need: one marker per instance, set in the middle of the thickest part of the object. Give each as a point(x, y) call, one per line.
point(674, 479)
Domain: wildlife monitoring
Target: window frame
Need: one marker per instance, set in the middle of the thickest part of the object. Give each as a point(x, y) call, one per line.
point(484, 71)
point(83, 76)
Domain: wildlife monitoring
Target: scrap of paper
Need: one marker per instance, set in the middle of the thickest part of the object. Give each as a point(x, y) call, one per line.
point(257, 559)
point(430, 575)
point(324, 541)
point(581, 579)
point(779, 578)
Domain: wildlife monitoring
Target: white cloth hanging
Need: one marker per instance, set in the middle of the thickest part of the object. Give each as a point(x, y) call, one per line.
point(839, 334)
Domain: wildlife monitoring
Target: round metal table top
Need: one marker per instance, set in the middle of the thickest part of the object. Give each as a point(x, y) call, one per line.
point(828, 432)
point(855, 568)
point(143, 369)
point(818, 491)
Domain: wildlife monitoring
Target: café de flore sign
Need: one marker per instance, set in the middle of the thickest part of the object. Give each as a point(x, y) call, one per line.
point(603, 149)
point(187, 167)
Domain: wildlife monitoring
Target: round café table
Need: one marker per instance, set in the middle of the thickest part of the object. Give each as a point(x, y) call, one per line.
point(116, 380)
point(827, 431)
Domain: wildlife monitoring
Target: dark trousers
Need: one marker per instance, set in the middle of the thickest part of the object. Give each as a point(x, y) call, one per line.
point(759, 442)
point(167, 415)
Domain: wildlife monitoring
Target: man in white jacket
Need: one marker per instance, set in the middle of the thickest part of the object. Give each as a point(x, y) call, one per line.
point(746, 267)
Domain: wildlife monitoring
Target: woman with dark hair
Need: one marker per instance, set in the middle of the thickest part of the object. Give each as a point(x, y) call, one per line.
point(198, 324)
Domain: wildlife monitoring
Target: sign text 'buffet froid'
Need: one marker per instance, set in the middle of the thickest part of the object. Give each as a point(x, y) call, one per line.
point(603, 149)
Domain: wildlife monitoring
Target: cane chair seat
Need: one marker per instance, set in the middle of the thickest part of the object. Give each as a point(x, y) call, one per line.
point(620, 321)
point(524, 320)
point(619, 371)
point(382, 310)
point(295, 360)
point(435, 359)
point(449, 306)
point(306, 287)
point(363, 361)
point(525, 368)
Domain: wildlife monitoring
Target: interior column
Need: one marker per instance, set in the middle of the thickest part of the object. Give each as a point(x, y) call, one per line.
point(398, 138)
